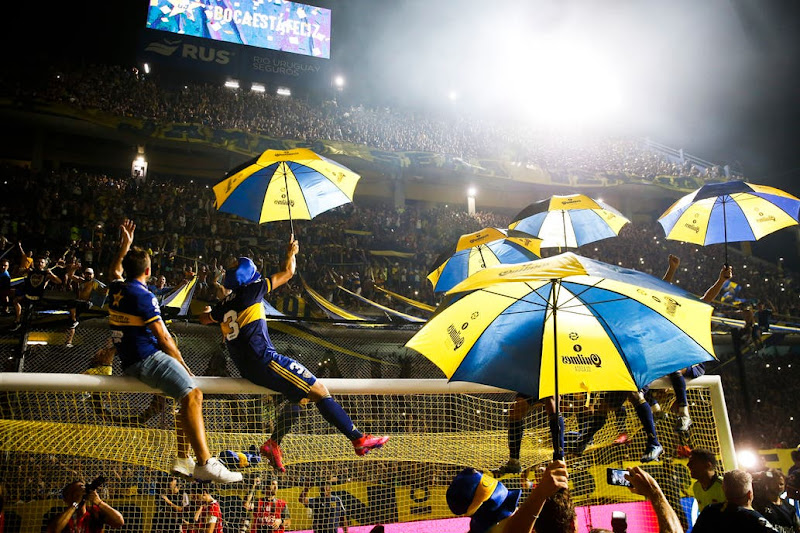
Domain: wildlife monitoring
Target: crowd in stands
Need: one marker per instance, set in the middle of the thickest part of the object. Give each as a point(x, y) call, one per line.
point(128, 93)
point(74, 216)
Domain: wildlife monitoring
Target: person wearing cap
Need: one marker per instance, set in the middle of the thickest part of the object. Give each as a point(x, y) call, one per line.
point(87, 284)
point(492, 508)
point(242, 319)
point(149, 353)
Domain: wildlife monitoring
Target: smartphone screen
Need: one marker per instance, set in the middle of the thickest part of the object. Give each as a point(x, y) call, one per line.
point(616, 477)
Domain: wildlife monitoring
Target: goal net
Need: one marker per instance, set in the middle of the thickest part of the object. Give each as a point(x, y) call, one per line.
point(55, 428)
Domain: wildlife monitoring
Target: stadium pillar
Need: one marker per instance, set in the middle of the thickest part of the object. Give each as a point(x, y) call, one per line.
point(797, 239)
point(37, 158)
point(399, 189)
point(747, 249)
point(736, 338)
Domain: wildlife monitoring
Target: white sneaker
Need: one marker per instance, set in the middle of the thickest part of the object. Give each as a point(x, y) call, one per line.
point(684, 422)
point(183, 466)
point(213, 470)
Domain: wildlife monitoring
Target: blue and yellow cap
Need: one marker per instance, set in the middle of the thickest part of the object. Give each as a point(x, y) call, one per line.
point(472, 493)
point(244, 273)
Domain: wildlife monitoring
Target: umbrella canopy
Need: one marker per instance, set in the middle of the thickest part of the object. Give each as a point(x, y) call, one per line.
point(565, 324)
point(733, 211)
point(476, 251)
point(569, 221)
point(285, 185)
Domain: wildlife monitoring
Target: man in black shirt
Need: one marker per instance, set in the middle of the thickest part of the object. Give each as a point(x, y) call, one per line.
point(736, 514)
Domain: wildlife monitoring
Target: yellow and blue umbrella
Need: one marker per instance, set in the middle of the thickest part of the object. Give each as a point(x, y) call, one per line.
point(732, 211)
point(476, 251)
point(179, 300)
point(565, 324)
point(285, 185)
point(569, 221)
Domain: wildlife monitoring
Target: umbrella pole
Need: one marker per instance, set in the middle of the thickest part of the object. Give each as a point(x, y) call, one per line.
point(725, 229)
point(558, 454)
point(480, 251)
point(564, 227)
point(288, 203)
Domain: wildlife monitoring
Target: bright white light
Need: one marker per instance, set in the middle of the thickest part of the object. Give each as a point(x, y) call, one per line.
point(339, 81)
point(284, 91)
point(38, 343)
point(747, 459)
point(471, 191)
point(232, 84)
point(565, 81)
point(147, 68)
point(258, 88)
point(453, 96)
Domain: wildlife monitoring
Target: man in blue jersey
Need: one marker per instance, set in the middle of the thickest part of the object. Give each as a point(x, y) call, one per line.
point(149, 353)
point(242, 319)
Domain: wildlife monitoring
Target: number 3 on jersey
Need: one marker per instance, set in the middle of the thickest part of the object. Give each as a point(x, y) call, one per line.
point(230, 323)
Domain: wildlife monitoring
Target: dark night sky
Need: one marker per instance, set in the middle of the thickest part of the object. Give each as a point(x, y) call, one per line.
point(718, 78)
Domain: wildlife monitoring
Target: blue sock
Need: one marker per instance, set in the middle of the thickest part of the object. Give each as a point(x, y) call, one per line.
point(335, 415)
point(679, 385)
point(621, 413)
point(645, 414)
point(515, 431)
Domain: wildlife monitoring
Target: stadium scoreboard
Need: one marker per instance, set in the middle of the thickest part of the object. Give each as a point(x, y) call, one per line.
point(272, 42)
point(272, 24)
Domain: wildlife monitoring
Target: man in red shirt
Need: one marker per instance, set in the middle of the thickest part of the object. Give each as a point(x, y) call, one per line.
point(208, 517)
point(270, 514)
point(85, 512)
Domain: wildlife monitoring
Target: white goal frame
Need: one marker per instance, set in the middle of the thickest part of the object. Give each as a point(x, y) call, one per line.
point(10, 381)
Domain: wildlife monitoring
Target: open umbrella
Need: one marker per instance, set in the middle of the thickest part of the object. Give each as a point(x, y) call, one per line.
point(565, 324)
point(569, 221)
point(476, 251)
point(179, 300)
point(732, 211)
point(285, 185)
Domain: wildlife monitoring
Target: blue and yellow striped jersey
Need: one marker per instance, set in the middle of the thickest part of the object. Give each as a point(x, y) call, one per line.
point(242, 319)
point(131, 309)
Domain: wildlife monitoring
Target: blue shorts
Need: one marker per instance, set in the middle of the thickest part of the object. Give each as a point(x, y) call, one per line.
point(165, 373)
point(695, 371)
point(280, 373)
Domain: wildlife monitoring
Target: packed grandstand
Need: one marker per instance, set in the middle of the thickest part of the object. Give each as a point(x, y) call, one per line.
point(375, 247)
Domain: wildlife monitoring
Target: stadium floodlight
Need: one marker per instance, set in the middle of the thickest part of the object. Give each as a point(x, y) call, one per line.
point(748, 459)
point(232, 84)
point(284, 91)
point(338, 81)
point(471, 192)
point(139, 166)
point(453, 96)
point(258, 88)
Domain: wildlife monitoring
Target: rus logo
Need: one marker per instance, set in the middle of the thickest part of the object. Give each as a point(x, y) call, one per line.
point(188, 51)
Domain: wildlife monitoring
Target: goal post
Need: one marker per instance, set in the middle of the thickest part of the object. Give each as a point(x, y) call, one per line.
point(54, 427)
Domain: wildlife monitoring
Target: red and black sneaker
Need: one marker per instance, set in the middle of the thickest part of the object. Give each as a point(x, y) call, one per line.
point(274, 455)
point(367, 443)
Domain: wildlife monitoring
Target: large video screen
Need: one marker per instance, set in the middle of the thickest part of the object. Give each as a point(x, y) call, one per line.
point(273, 24)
